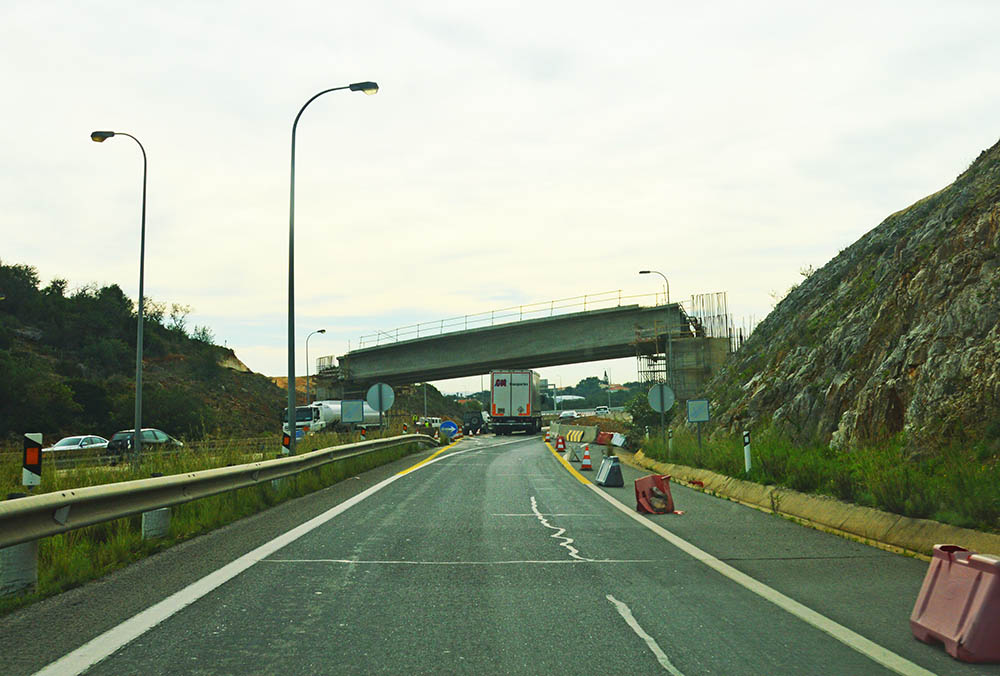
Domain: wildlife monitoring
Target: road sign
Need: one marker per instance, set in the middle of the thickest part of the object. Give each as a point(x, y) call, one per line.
point(660, 397)
point(352, 411)
point(698, 410)
point(380, 397)
point(449, 428)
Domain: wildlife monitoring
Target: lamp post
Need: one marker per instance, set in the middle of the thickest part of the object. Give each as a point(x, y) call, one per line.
point(307, 359)
point(670, 345)
point(100, 137)
point(368, 88)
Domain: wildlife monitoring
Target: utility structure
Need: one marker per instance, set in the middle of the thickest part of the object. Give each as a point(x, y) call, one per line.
point(368, 88)
point(307, 359)
point(101, 137)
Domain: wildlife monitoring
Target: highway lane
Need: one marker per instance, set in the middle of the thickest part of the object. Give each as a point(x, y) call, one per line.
point(494, 556)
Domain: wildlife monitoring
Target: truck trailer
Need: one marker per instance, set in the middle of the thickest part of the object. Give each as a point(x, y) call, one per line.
point(515, 402)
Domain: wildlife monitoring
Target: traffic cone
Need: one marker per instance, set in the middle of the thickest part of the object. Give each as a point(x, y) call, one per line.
point(363, 433)
point(546, 437)
point(585, 465)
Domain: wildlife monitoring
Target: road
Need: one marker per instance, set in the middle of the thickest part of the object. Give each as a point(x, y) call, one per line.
point(493, 557)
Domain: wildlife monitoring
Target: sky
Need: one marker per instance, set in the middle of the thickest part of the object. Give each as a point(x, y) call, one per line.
point(515, 153)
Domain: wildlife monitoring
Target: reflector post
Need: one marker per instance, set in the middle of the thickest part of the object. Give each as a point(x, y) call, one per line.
point(31, 467)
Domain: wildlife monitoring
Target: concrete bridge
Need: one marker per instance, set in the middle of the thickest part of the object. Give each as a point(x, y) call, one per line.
point(626, 331)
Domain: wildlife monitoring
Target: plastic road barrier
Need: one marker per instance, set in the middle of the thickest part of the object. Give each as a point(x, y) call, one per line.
point(604, 438)
point(959, 604)
point(652, 494)
point(610, 473)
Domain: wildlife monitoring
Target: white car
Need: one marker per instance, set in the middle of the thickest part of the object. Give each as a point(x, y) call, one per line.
point(80, 443)
point(602, 410)
point(568, 415)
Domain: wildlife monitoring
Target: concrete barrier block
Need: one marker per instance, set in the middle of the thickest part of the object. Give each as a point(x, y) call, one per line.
point(156, 524)
point(18, 568)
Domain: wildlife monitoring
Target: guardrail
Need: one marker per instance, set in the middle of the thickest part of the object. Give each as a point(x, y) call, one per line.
point(38, 516)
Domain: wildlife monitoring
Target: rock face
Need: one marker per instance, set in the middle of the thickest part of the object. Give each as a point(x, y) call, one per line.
point(899, 332)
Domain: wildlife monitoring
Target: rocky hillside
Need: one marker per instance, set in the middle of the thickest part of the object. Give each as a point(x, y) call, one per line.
point(898, 333)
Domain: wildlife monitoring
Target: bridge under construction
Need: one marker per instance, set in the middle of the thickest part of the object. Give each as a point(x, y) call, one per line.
point(671, 346)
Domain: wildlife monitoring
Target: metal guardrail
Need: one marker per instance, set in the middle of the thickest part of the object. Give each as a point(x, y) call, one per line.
point(39, 516)
point(515, 313)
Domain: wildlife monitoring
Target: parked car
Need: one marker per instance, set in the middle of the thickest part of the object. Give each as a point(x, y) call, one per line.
point(602, 410)
point(568, 415)
point(121, 442)
point(80, 443)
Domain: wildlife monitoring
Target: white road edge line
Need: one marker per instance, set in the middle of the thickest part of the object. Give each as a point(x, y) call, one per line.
point(630, 620)
point(850, 638)
point(362, 562)
point(98, 648)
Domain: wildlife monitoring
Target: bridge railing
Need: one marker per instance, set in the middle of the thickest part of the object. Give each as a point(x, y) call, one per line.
point(508, 315)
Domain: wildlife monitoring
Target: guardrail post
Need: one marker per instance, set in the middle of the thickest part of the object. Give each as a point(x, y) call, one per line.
point(18, 564)
point(156, 523)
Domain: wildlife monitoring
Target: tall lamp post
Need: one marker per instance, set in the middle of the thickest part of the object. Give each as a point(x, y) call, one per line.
point(670, 345)
point(368, 88)
point(100, 137)
point(307, 359)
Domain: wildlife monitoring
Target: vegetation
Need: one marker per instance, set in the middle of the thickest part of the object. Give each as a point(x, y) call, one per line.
point(67, 365)
point(959, 485)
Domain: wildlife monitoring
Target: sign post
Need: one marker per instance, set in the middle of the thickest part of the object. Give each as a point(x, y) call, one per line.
point(698, 413)
point(746, 449)
point(661, 398)
point(380, 397)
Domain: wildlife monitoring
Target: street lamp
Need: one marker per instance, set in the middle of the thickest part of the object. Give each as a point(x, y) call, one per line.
point(368, 88)
point(100, 137)
point(307, 359)
point(670, 345)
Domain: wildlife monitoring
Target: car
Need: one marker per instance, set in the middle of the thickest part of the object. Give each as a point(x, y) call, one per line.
point(602, 410)
point(121, 441)
point(568, 415)
point(79, 443)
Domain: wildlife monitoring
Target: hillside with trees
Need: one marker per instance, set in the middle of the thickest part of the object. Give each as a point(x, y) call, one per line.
point(67, 366)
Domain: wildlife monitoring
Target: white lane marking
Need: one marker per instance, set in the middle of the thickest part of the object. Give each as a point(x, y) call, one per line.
point(850, 638)
point(97, 649)
point(630, 620)
point(459, 563)
point(568, 544)
point(532, 514)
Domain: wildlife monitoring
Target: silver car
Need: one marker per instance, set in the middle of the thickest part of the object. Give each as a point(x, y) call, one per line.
point(80, 443)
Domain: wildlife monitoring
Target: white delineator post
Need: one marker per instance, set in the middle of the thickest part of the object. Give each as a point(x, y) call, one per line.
point(746, 449)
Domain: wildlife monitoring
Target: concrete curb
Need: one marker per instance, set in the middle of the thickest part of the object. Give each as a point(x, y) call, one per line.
point(871, 526)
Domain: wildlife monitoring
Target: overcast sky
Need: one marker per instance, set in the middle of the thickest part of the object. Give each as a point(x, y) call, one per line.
point(516, 152)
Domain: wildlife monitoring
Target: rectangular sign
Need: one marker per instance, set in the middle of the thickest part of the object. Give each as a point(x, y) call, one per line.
point(352, 411)
point(698, 410)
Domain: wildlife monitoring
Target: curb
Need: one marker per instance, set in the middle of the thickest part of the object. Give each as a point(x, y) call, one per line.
point(901, 534)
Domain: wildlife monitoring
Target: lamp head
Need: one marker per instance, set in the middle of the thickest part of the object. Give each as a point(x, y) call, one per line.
point(321, 331)
point(100, 136)
point(644, 272)
point(366, 87)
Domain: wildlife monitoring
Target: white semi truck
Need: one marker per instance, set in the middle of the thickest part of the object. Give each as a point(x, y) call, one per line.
point(515, 402)
point(324, 415)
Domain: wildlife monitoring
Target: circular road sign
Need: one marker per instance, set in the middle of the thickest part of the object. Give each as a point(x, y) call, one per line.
point(661, 398)
point(449, 428)
point(380, 397)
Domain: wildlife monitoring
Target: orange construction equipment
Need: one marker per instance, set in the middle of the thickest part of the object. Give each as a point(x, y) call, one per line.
point(585, 464)
point(652, 494)
point(959, 604)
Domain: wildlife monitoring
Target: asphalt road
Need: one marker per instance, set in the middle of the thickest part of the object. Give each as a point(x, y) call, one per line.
point(493, 558)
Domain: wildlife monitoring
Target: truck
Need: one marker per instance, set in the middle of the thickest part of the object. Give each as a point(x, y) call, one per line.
point(320, 416)
point(515, 402)
point(472, 423)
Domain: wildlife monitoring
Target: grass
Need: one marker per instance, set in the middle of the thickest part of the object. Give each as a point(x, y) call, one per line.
point(69, 559)
point(955, 485)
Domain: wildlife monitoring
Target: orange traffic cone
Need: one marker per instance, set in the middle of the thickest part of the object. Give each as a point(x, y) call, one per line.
point(546, 437)
point(585, 464)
